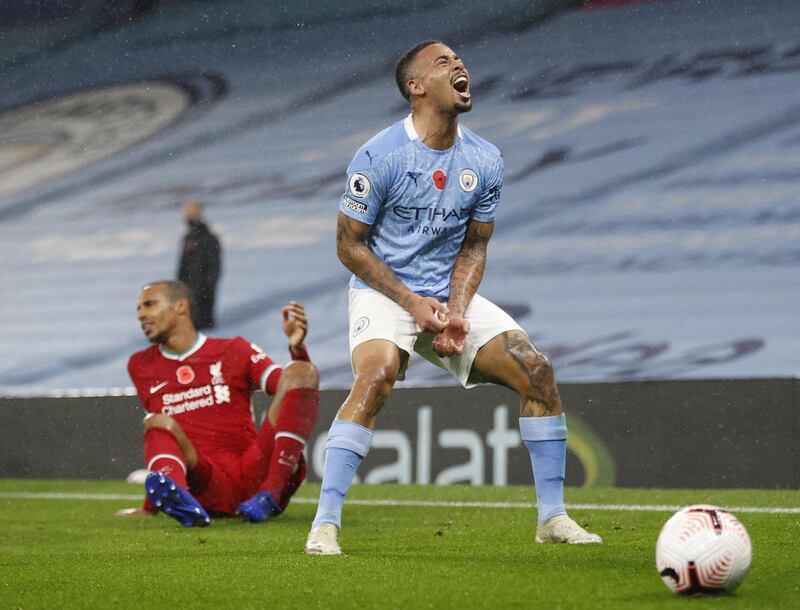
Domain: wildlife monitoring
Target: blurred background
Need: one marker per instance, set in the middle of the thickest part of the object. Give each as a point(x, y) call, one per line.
point(650, 223)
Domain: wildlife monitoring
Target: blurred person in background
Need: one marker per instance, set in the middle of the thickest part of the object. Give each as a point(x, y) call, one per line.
point(201, 264)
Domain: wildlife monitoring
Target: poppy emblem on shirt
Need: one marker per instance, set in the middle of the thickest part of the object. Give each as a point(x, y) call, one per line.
point(185, 374)
point(439, 179)
point(468, 180)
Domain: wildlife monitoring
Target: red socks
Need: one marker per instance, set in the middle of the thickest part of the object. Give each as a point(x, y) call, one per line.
point(163, 454)
point(284, 444)
point(298, 414)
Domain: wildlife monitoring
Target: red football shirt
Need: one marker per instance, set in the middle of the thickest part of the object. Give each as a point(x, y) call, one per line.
point(207, 389)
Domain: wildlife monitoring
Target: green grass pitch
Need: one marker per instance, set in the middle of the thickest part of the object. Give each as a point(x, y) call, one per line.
point(58, 552)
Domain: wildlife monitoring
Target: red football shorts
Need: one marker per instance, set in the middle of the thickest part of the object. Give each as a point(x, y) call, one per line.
point(222, 481)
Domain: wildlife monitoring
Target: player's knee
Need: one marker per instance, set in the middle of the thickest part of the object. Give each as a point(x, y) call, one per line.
point(540, 370)
point(300, 374)
point(377, 380)
point(538, 367)
point(541, 367)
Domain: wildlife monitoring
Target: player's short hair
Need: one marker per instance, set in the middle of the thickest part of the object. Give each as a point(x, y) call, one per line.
point(404, 63)
point(176, 290)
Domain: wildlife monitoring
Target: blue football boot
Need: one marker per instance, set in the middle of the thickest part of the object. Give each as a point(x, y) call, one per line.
point(167, 496)
point(259, 508)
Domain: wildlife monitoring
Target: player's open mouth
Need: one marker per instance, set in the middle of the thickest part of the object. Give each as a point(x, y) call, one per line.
point(461, 85)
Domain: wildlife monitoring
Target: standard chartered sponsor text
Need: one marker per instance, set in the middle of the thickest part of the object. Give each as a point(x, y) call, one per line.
point(171, 399)
point(194, 398)
point(191, 405)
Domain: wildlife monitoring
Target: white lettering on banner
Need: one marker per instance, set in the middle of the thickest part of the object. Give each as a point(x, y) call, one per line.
point(424, 443)
point(317, 460)
point(400, 471)
point(471, 471)
point(499, 440)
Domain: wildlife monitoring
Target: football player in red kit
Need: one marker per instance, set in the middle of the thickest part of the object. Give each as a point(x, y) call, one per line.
point(201, 446)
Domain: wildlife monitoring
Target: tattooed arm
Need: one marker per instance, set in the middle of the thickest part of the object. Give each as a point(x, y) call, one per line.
point(468, 270)
point(467, 275)
point(355, 254)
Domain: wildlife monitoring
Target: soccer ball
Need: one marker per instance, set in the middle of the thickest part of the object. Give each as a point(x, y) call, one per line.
point(703, 549)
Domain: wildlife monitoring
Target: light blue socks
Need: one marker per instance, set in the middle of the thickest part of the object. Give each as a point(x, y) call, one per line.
point(546, 440)
point(348, 444)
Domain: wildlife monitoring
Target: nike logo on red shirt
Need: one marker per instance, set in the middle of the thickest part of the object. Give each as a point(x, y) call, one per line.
point(156, 388)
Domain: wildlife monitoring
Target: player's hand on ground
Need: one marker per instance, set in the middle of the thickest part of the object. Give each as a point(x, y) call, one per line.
point(295, 323)
point(430, 314)
point(450, 342)
point(133, 512)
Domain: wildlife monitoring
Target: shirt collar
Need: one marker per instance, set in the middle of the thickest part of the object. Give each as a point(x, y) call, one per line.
point(199, 342)
point(411, 131)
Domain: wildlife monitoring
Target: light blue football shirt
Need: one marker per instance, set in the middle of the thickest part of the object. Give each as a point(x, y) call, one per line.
point(419, 201)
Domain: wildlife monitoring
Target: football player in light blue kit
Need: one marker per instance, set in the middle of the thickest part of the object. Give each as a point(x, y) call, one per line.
point(413, 227)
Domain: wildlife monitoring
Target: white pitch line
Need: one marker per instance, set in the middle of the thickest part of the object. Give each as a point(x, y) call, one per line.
point(673, 508)
point(46, 495)
point(32, 495)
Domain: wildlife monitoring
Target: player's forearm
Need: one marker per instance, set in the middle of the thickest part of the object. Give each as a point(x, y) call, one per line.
point(467, 276)
point(360, 260)
point(470, 264)
point(299, 352)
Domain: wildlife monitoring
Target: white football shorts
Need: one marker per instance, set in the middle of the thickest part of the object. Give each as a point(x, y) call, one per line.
point(375, 316)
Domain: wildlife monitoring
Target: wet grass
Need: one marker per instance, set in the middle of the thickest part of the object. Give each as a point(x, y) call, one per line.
point(74, 553)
